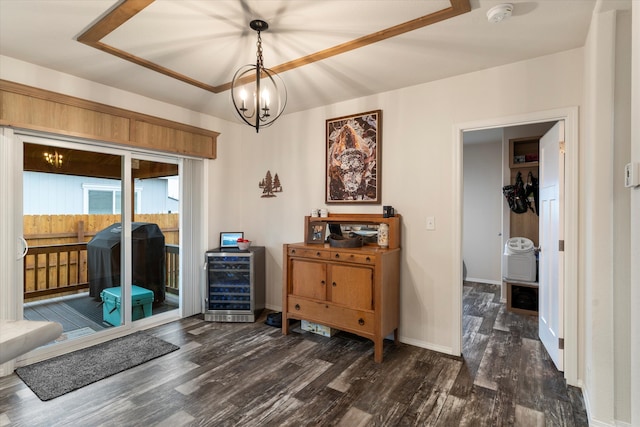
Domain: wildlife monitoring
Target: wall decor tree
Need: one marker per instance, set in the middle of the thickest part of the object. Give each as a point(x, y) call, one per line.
point(270, 185)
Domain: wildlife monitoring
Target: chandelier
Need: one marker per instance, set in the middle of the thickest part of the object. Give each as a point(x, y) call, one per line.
point(258, 94)
point(53, 159)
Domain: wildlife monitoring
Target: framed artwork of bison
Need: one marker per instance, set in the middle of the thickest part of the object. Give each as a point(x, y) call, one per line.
point(353, 158)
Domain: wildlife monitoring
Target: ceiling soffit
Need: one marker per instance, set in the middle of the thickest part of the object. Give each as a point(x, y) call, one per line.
point(94, 36)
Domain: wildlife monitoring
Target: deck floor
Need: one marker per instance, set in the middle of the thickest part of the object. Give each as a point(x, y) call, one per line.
point(79, 314)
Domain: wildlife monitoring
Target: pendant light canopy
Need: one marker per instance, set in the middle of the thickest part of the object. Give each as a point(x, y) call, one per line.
point(258, 94)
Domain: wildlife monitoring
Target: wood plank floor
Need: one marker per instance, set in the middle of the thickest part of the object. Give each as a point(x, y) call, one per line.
point(250, 375)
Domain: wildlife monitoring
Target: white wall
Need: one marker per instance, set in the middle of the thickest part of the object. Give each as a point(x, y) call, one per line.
point(621, 219)
point(482, 208)
point(605, 221)
point(596, 219)
point(418, 175)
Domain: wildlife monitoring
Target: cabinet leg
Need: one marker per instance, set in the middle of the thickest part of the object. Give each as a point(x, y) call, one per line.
point(285, 324)
point(377, 350)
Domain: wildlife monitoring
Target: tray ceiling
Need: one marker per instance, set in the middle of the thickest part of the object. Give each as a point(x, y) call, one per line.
point(184, 52)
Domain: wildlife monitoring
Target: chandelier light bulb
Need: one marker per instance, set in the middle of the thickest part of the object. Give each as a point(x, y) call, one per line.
point(243, 96)
point(54, 159)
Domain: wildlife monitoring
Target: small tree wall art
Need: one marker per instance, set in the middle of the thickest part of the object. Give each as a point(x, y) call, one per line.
point(270, 185)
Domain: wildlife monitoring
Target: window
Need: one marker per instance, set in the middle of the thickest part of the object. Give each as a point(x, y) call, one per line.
point(102, 199)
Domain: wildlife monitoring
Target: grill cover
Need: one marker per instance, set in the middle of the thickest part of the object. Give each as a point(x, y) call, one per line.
point(103, 257)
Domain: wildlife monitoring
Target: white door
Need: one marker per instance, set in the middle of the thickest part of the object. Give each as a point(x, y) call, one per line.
point(551, 261)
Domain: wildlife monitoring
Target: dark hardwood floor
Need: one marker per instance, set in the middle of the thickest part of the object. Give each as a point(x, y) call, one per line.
point(228, 374)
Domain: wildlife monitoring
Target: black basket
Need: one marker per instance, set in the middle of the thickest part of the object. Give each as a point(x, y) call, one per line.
point(274, 319)
point(337, 241)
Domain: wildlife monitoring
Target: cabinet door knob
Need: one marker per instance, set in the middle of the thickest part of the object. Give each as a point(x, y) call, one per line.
point(322, 282)
point(297, 307)
point(334, 284)
point(361, 321)
point(368, 259)
point(293, 251)
point(337, 255)
point(318, 253)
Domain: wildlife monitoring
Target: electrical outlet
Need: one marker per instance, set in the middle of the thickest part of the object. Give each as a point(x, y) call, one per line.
point(431, 223)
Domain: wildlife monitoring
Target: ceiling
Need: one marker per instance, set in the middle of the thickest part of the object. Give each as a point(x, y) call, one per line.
point(330, 50)
point(90, 163)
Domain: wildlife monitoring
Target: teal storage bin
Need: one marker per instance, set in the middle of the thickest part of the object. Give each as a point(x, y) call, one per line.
point(141, 301)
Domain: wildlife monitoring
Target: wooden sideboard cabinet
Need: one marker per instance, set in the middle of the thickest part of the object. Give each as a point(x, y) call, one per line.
point(351, 289)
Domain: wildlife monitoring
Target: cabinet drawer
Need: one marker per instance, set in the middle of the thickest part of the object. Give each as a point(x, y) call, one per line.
point(357, 321)
point(309, 253)
point(366, 258)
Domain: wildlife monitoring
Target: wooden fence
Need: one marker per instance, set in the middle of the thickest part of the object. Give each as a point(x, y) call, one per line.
point(46, 230)
point(56, 262)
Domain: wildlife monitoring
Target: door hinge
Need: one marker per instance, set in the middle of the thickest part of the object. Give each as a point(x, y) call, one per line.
point(561, 245)
point(561, 343)
point(562, 147)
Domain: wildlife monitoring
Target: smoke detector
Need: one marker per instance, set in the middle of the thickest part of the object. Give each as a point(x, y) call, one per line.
point(499, 13)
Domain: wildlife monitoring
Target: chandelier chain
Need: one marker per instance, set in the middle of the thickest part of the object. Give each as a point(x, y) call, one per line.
point(259, 51)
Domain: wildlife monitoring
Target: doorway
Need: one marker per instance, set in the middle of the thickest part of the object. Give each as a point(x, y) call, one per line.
point(570, 116)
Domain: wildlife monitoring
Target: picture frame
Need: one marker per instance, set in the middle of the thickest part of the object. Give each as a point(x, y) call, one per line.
point(229, 239)
point(316, 232)
point(353, 159)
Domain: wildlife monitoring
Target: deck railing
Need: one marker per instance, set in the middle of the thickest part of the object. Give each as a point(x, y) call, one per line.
point(172, 258)
point(57, 270)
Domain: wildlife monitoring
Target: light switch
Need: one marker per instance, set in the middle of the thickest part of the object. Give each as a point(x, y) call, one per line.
point(431, 223)
point(632, 175)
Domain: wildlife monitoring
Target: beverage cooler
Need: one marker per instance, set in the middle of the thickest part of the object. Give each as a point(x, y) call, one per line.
point(235, 284)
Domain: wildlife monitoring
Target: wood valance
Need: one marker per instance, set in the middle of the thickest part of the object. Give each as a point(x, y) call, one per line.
point(27, 107)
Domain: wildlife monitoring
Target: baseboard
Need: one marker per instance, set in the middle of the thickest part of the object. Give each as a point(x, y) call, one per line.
point(277, 308)
point(7, 368)
point(402, 339)
point(487, 281)
point(428, 346)
point(598, 423)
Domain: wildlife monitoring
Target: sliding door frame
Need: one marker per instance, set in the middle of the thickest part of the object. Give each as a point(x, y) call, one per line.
point(11, 305)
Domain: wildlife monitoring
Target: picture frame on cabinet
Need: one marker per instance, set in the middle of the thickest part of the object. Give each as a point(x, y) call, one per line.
point(353, 158)
point(316, 232)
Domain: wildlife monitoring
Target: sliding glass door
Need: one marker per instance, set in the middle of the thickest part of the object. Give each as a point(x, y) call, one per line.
point(71, 210)
point(102, 227)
